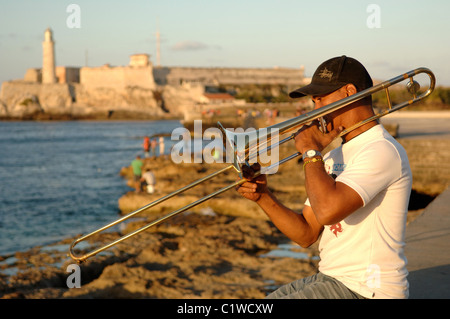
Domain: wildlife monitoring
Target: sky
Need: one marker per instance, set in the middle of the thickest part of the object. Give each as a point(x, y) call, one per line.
point(388, 37)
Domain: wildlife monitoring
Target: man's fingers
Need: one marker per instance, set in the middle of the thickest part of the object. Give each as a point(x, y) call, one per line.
point(247, 187)
point(335, 133)
point(249, 171)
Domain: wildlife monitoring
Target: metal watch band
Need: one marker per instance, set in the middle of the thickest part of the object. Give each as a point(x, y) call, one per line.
point(310, 153)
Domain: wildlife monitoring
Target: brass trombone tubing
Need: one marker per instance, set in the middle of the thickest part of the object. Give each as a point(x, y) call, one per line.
point(401, 105)
point(81, 259)
point(286, 127)
point(318, 113)
point(154, 203)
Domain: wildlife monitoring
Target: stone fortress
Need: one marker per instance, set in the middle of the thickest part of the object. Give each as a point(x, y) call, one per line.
point(137, 89)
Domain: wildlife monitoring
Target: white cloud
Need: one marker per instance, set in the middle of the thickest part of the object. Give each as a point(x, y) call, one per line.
point(191, 46)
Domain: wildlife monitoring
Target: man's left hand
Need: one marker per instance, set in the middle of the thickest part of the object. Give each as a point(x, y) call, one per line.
point(311, 137)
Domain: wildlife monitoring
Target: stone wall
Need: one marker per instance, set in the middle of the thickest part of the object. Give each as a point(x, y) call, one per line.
point(21, 99)
point(136, 88)
point(26, 100)
point(128, 97)
point(118, 78)
point(229, 76)
point(33, 75)
point(67, 74)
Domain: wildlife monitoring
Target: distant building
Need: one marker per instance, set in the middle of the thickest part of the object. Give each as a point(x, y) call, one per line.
point(218, 98)
point(140, 60)
point(136, 87)
point(66, 74)
point(229, 76)
point(139, 73)
point(33, 75)
point(48, 58)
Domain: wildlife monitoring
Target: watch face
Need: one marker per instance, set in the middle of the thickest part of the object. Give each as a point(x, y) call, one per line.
point(311, 153)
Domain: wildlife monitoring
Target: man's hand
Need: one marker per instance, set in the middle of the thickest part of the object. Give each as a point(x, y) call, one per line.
point(254, 187)
point(311, 137)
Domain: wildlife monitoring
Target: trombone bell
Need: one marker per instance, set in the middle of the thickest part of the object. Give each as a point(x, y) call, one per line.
point(243, 147)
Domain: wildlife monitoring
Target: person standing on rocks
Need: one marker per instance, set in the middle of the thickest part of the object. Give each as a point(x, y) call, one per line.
point(149, 181)
point(161, 146)
point(358, 195)
point(146, 146)
point(136, 165)
point(153, 144)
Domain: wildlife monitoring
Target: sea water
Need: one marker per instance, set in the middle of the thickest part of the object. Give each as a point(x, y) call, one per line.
point(59, 179)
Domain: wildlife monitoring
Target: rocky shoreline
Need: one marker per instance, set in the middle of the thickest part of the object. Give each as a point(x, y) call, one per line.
point(224, 249)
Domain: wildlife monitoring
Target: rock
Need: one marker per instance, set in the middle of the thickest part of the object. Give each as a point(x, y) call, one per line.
point(32, 100)
point(197, 256)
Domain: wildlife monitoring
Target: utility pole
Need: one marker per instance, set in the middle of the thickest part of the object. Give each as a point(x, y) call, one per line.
point(158, 45)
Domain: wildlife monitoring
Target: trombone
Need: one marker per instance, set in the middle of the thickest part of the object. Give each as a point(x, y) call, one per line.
point(240, 152)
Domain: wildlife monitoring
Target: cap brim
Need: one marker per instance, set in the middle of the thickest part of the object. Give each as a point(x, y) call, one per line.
point(314, 89)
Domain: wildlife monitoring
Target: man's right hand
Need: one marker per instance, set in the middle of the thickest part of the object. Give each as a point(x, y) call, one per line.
point(254, 187)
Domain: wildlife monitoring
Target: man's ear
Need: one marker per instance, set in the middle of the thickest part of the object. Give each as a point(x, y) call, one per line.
point(351, 89)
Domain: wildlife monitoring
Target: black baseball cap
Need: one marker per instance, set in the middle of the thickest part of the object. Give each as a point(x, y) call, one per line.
point(334, 74)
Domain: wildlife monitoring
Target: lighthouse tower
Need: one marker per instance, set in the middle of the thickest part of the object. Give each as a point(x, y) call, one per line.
point(48, 62)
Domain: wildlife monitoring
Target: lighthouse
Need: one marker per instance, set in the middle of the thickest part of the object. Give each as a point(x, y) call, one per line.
point(48, 61)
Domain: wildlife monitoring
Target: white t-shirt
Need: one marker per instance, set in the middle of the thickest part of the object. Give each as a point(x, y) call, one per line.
point(149, 178)
point(365, 250)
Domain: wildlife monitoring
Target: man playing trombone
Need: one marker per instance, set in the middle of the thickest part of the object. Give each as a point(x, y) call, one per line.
point(358, 194)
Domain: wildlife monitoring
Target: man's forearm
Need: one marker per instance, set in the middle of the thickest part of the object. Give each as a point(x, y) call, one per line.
point(290, 223)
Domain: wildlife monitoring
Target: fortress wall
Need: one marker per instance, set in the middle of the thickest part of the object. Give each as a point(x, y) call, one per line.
point(139, 77)
point(48, 95)
point(33, 75)
point(67, 74)
point(132, 87)
point(16, 92)
point(21, 98)
point(102, 77)
point(117, 87)
point(274, 76)
point(117, 78)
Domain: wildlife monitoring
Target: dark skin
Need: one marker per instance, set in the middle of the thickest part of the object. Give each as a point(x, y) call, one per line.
point(330, 201)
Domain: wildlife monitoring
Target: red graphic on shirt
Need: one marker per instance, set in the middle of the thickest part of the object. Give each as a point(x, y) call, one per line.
point(336, 228)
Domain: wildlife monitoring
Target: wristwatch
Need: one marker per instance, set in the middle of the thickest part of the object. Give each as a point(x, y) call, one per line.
point(311, 153)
